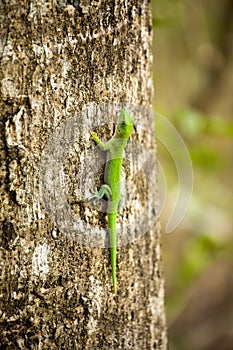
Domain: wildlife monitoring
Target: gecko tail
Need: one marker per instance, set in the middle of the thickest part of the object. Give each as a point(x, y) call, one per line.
point(113, 246)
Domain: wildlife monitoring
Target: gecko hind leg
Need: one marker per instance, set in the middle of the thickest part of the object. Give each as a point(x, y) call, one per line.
point(104, 190)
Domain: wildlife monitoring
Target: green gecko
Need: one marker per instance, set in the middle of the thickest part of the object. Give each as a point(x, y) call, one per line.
point(112, 177)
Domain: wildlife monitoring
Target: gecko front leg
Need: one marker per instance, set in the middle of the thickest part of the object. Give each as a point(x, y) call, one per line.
point(103, 146)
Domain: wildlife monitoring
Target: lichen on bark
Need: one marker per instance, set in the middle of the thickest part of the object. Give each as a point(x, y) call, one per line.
point(57, 58)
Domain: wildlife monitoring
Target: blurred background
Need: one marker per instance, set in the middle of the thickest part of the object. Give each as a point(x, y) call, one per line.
point(193, 75)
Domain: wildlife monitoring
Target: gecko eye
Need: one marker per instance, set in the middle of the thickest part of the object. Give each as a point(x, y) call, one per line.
point(123, 123)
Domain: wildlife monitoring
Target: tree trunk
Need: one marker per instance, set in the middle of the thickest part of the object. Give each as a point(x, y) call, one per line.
point(68, 67)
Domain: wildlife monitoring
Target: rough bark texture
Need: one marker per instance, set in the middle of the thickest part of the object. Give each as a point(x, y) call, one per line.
point(57, 58)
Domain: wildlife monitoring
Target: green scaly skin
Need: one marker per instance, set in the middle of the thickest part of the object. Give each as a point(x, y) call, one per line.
point(112, 177)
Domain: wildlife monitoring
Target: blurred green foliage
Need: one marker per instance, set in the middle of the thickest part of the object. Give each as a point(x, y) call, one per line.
point(193, 74)
point(197, 257)
point(192, 123)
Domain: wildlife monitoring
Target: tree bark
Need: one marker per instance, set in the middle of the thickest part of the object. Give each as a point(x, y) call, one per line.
point(68, 67)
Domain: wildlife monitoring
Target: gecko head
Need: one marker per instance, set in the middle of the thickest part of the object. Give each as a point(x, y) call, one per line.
point(125, 124)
